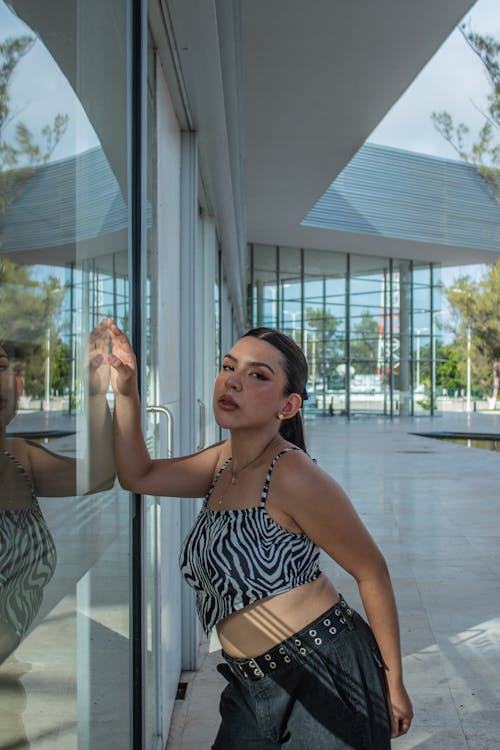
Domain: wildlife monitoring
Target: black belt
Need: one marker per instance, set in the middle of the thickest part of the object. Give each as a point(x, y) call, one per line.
point(300, 644)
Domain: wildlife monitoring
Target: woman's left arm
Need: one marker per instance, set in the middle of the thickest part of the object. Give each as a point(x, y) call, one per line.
point(321, 508)
point(59, 476)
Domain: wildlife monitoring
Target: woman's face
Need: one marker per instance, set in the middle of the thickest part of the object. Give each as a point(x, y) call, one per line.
point(250, 388)
point(8, 391)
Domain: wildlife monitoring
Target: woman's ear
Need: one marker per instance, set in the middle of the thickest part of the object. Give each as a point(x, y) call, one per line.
point(291, 406)
point(19, 384)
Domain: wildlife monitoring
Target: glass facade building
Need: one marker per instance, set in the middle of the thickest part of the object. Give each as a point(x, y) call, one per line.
point(368, 326)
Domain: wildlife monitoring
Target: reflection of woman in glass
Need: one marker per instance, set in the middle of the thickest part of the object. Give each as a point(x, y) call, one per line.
point(27, 469)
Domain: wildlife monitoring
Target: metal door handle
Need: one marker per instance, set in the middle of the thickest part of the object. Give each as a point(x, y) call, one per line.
point(201, 424)
point(170, 425)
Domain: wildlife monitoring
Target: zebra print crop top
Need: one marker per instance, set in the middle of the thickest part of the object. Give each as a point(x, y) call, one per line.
point(233, 558)
point(27, 559)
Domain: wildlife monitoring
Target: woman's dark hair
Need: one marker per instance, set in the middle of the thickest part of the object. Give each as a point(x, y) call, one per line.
point(296, 371)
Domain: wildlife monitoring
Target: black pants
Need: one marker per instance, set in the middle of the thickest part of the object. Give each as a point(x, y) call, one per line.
point(329, 694)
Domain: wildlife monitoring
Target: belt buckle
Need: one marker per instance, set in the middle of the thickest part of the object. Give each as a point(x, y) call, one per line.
point(237, 669)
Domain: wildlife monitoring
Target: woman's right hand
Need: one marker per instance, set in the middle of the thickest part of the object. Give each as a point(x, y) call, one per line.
point(123, 362)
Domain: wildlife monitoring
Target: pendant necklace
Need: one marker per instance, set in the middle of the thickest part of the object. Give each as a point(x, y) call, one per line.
point(235, 474)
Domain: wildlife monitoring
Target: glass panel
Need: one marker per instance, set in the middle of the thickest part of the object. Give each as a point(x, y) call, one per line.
point(440, 392)
point(422, 349)
point(65, 675)
point(325, 329)
point(290, 292)
point(373, 340)
point(265, 311)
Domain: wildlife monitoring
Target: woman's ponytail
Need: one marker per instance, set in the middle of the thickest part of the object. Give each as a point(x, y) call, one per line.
point(293, 431)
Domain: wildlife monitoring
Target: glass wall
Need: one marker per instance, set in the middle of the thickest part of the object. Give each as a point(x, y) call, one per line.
point(325, 329)
point(374, 335)
point(65, 563)
point(368, 326)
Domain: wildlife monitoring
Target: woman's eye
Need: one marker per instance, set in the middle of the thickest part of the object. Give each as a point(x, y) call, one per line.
point(258, 375)
point(227, 367)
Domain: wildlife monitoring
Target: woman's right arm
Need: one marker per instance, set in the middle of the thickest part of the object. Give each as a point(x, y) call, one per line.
point(187, 476)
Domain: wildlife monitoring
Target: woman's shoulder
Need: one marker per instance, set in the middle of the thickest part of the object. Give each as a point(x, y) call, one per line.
point(297, 471)
point(16, 447)
point(290, 463)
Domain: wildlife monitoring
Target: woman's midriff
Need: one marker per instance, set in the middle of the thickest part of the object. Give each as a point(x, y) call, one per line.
point(255, 629)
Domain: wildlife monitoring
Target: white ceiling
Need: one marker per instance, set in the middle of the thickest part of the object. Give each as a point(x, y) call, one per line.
point(318, 77)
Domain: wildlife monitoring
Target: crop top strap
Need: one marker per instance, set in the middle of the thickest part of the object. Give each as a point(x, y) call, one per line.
point(211, 488)
point(267, 480)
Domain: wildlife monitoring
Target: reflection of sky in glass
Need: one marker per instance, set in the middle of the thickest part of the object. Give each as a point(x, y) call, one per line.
point(39, 91)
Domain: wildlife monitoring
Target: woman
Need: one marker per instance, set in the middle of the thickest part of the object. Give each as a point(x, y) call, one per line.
point(304, 670)
point(27, 469)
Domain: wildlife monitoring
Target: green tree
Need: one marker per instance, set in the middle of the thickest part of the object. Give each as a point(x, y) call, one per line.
point(60, 366)
point(28, 308)
point(20, 151)
point(475, 305)
point(364, 344)
point(483, 149)
point(450, 368)
point(323, 344)
point(29, 320)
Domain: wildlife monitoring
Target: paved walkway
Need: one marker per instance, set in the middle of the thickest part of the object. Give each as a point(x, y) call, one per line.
point(434, 509)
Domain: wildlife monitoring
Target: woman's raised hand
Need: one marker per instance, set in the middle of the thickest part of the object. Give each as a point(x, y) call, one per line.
point(97, 363)
point(123, 362)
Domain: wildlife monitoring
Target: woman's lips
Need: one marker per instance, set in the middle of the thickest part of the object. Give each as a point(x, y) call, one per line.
point(227, 404)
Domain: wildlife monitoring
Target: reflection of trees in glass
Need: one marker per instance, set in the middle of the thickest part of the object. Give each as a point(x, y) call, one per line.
point(20, 153)
point(364, 344)
point(29, 323)
point(322, 346)
point(28, 308)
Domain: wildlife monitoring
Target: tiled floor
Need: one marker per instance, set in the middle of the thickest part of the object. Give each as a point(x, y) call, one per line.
point(434, 509)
